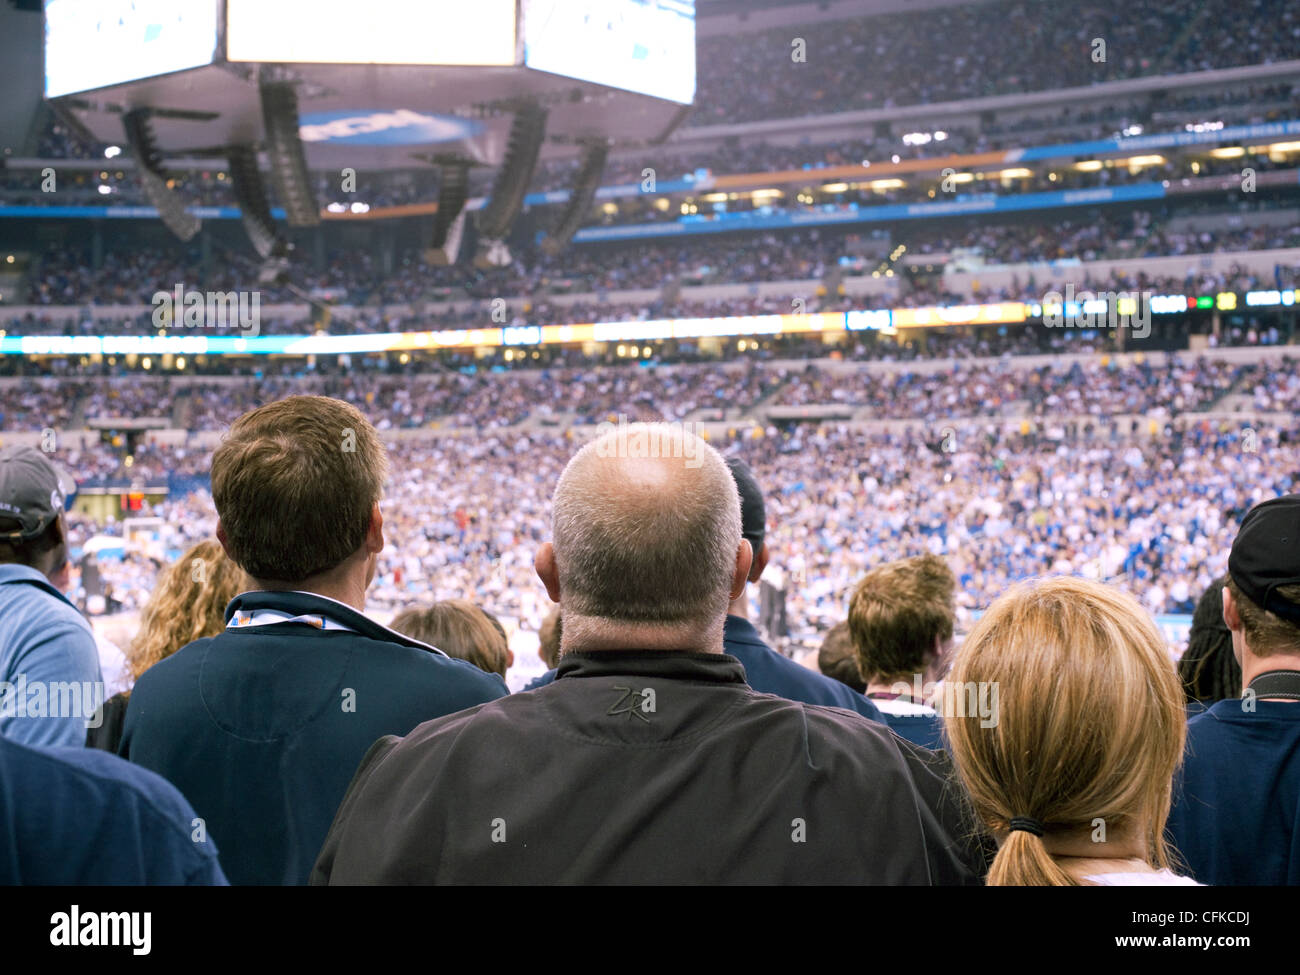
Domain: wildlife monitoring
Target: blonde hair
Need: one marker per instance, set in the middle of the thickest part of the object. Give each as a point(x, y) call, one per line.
point(188, 603)
point(459, 629)
point(1090, 724)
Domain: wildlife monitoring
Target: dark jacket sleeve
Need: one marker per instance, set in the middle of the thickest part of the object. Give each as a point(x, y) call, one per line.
point(320, 874)
point(959, 849)
point(105, 729)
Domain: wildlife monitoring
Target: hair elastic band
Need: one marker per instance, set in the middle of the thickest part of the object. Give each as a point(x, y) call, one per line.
point(1026, 824)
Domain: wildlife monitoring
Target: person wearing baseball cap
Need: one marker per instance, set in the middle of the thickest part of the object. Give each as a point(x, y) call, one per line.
point(1236, 817)
point(50, 681)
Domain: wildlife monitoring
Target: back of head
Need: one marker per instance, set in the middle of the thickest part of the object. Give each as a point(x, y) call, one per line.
point(460, 629)
point(646, 526)
point(897, 615)
point(1264, 577)
point(1208, 667)
point(188, 603)
point(838, 659)
point(294, 483)
point(1089, 725)
point(32, 496)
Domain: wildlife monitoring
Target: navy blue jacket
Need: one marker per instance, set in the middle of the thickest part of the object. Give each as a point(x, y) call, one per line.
point(261, 727)
point(1236, 814)
point(80, 816)
point(769, 672)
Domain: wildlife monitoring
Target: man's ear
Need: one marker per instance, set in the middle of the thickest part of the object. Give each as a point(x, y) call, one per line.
point(760, 563)
point(547, 571)
point(375, 533)
point(1231, 616)
point(221, 537)
point(744, 558)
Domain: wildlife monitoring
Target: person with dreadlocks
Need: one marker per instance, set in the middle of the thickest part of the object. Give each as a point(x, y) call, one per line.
point(1208, 668)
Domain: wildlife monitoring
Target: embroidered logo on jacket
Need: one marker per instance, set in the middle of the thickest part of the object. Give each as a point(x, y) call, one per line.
point(634, 703)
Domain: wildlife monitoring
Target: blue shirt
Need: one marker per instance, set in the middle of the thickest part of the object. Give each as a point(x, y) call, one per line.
point(769, 672)
point(1236, 817)
point(82, 816)
point(49, 663)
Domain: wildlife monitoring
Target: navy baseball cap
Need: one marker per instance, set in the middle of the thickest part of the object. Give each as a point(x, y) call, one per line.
point(32, 493)
point(1266, 554)
point(753, 512)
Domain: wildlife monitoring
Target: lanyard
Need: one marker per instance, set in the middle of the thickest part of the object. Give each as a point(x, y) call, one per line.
point(263, 617)
point(1277, 683)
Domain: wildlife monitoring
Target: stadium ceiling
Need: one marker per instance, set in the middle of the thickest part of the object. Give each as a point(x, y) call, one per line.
point(410, 112)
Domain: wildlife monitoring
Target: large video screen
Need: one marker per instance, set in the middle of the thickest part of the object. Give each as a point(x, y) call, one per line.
point(428, 32)
point(647, 46)
point(96, 43)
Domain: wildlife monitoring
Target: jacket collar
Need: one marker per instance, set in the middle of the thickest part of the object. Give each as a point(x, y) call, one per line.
point(13, 572)
point(737, 629)
point(717, 668)
point(299, 603)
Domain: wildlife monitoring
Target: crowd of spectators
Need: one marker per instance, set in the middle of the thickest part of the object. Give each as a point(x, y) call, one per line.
point(465, 512)
point(967, 51)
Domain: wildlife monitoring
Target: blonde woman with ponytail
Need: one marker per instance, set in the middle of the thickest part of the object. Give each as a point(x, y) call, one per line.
point(1073, 774)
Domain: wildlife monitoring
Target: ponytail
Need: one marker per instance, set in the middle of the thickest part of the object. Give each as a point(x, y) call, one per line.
point(1023, 861)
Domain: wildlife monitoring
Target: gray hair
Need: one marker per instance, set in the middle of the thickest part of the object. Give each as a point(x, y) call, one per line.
point(648, 535)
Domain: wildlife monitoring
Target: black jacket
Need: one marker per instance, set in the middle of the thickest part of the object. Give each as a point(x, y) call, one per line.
point(261, 727)
point(769, 672)
point(591, 779)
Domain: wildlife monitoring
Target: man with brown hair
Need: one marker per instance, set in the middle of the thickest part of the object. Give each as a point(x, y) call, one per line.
point(1236, 817)
point(901, 620)
point(262, 726)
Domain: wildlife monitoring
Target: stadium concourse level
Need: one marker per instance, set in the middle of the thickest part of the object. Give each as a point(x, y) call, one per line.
point(212, 187)
point(603, 282)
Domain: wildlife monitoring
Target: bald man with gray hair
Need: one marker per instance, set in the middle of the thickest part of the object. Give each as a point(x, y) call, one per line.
point(649, 760)
point(647, 547)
